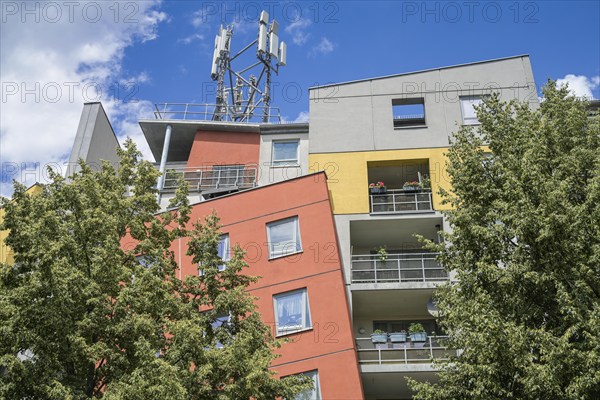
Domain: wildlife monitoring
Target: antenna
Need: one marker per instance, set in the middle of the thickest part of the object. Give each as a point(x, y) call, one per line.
point(238, 99)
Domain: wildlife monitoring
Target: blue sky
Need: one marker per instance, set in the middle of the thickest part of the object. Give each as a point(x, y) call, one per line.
point(53, 58)
point(365, 39)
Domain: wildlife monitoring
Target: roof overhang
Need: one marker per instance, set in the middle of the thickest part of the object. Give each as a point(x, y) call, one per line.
point(183, 133)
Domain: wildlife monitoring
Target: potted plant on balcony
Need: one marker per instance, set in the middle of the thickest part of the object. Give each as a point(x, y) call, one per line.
point(377, 188)
point(417, 332)
point(398, 337)
point(426, 183)
point(379, 336)
point(382, 253)
point(411, 186)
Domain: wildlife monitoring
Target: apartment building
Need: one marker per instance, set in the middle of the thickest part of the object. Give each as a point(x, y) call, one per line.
point(395, 130)
point(329, 212)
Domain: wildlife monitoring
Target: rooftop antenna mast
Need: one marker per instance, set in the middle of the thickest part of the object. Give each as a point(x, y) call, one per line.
point(238, 97)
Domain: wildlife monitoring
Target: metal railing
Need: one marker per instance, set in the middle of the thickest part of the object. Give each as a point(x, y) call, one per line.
point(206, 112)
point(399, 201)
point(409, 120)
point(409, 116)
point(397, 268)
point(433, 348)
point(215, 177)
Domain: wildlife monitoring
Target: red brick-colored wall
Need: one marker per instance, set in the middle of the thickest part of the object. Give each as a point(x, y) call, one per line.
point(329, 346)
point(224, 148)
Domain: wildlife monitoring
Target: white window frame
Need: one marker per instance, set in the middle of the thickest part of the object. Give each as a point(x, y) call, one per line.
point(470, 98)
point(315, 393)
point(306, 323)
point(222, 267)
point(227, 249)
point(292, 162)
point(296, 235)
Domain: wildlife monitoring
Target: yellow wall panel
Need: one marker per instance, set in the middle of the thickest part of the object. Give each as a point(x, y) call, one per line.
point(347, 175)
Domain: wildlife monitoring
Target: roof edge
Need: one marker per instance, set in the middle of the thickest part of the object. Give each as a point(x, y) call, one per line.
point(419, 71)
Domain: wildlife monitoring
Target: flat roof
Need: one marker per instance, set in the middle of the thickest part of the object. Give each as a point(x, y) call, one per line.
point(183, 133)
point(418, 71)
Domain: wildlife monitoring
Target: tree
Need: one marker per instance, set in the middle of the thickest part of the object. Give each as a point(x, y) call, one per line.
point(525, 247)
point(93, 308)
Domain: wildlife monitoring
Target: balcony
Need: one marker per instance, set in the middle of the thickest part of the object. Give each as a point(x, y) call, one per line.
point(396, 201)
point(212, 178)
point(397, 268)
point(406, 353)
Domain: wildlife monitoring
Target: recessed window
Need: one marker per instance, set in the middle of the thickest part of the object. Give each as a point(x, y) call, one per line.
point(224, 252)
point(408, 112)
point(284, 237)
point(285, 153)
point(292, 313)
point(467, 105)
point(315, 392)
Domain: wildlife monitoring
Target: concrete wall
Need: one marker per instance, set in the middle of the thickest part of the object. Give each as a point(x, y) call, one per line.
point(358, 116)
point(270, 173)
point(95, 139)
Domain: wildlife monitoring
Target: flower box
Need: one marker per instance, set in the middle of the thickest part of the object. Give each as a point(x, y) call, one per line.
point(379, 337)
point(378, 190)
point(398, 337)
point(418, 337)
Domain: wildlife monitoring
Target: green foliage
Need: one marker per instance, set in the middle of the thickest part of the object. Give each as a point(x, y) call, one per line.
point(526, 250)
point(415, 327)
point(382, 253)
point(103, 323)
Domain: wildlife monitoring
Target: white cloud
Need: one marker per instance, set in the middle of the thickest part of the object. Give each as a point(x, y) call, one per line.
point(142, 77)
point(50, 68)
point(302, 117)
point(298, 30)
point(325, 46)
point(243, 26)
point(191, 38)
point(580, 85)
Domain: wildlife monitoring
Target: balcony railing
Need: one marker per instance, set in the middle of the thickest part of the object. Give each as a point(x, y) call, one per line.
point(433, 348)
point(215, 177)
point(400, 201)
point(397, 268)
point(409, 120)
point(210, 112)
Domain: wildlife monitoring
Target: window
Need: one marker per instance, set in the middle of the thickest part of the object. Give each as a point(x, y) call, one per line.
point(408, 112)
point(219, 322)
point(284, 237)
point(315, 392)
point(292, 313)
point(285, 153)
point(224, 252)
point(467, 104)
point(144, 261)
